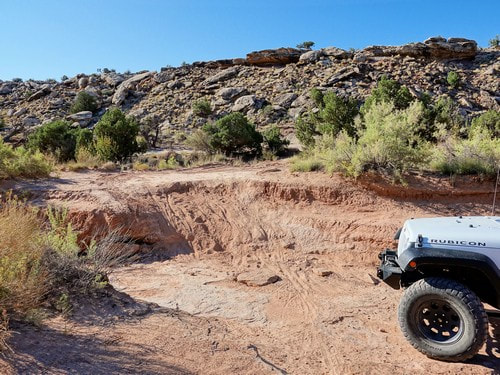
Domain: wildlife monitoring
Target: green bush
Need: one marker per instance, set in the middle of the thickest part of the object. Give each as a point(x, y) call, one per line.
point(305, 131)
point(20, 162)
point(2, 123)
point(84, 102)
point(317, 97)
point(115, 135)
point(202, 108)
point(334, 114)
point(274, 141)
point(390, 140)
point(489, 120)
point(234, 134)
point(390, 91)
point(198, 140)
point(85, 140)
point(306, 45)
point(446, 112)
point(453, 79)
point(142, 144)
point(478, 154)
point(57, 138)
point(495, 42)
point(306, 163)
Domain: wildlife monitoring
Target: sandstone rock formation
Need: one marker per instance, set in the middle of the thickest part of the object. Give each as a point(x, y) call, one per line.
point(270, 86)
point(273, 56)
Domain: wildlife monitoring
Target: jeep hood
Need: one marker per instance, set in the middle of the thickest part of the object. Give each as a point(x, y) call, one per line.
point(472, 233)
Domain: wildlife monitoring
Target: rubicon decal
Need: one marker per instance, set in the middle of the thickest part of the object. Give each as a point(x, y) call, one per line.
point(456, 242)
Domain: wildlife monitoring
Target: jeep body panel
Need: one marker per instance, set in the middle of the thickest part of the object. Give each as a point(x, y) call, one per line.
point(468, 246)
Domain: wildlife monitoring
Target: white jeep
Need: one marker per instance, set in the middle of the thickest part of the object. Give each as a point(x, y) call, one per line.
point(448, 266)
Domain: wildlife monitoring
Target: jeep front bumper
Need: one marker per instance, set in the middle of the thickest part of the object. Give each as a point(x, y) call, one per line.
point(389, 270)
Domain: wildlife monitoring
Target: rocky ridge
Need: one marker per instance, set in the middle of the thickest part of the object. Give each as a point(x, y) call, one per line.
point(269, 86)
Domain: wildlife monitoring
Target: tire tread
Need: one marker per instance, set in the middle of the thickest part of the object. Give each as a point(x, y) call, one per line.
point(459, 291)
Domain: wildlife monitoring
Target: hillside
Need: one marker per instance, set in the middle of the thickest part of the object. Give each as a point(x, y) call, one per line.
point(269, 86)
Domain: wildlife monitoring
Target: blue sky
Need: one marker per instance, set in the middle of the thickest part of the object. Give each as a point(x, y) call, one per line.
point(48, 38)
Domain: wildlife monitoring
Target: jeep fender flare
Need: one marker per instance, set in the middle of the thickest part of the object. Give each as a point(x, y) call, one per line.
point(448, 258)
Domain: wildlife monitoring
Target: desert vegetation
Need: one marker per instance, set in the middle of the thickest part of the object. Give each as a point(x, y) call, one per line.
point(394, 133)
point(43, 265)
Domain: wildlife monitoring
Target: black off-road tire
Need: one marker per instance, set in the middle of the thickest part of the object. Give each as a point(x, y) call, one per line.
point(443, 319)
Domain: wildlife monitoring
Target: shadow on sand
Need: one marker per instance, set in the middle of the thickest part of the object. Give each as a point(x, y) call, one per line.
point(49, 350)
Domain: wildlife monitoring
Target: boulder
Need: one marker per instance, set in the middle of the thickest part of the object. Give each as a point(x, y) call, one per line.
point(286, 100)
point(222, 76)
point(164, 76)
point(244, 103)
point(5, 89)
point(257, 277)
point(30, 121)
point(341, 75)
point(112, 78)
point(231, 93)
point(435, 47)
point(337, 53)
point(124, 88)
point(83, 82)
point(453, 48)
point(311, 57)
point(82, 118)
point(21, 111)
point(45, 90)
point(278, 56)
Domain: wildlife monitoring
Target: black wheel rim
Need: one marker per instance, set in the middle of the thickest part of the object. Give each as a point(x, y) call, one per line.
point(438, 321)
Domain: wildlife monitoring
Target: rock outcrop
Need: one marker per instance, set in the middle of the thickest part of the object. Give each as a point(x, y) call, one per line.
point(434, 48)
point(278, 56)
point(270, 86)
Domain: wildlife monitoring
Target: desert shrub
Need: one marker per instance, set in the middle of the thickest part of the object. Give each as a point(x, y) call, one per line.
point(390, 91)
point(337, 153)
point(20, 162)
point(489, 120)
point(84, 102)
point(198, 159)
point(142, 144)
point(85, 140)
point(150, 129)
point(202, 108)
point(2, 123)
point(170, 163)
point(140, 166)
point(305, 131)
point(43, 261)
point(453, 79)
point(494, 42)
point(85, 159)
point(390, 140)
point(179, 136)
point(233, 134)
point(22, 278)
point(306, 163)
point(446, 112)
point(317, 97)
point(334, 114)
point(306, 45)
point(198, 140)
point(115, 135)
point(478, 154)
point(57, 138)
point(274, 141)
